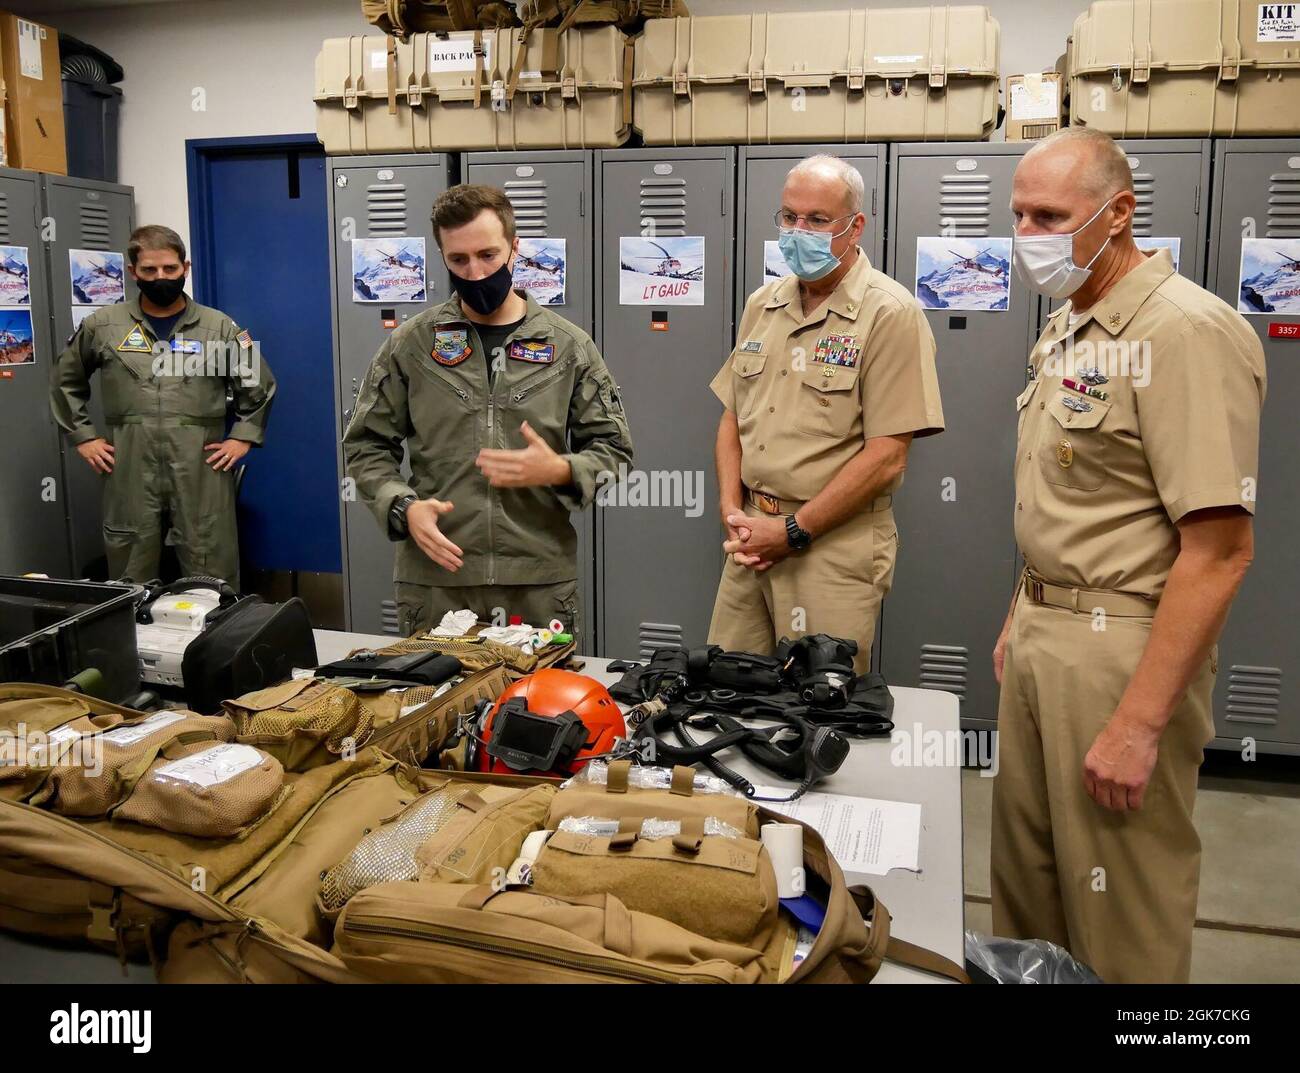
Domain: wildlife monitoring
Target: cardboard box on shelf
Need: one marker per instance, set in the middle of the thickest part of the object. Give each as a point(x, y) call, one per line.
point(1033, 105)
point(33, 107)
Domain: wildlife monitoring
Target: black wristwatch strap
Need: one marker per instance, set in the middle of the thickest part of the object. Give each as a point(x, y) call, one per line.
point(397, 514)
point(796, 537)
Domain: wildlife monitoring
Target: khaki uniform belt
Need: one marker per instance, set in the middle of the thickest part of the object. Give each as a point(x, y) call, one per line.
point(1086, 601)
point(772, 505)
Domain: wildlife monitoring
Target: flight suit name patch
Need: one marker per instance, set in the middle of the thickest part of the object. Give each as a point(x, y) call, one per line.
point(186, 346)
point(837, 350)
point(538, 353)
point(450, 346)
point(135, 342)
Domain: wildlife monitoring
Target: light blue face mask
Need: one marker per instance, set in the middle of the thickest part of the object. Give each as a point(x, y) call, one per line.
point(808, 253)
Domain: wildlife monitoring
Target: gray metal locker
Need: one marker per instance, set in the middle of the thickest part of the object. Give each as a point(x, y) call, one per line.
point(552, 192)
point(657, 567)
point(957, 560)
point(1257, 194)
point(35, 533)
point(375, 197)
point(87, 215)
point(761, 175)
point(1171, 180)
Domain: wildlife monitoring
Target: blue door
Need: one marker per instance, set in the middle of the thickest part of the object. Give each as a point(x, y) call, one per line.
point(260, 228)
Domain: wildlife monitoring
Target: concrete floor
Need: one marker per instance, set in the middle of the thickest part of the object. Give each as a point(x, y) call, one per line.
point(1248, 915)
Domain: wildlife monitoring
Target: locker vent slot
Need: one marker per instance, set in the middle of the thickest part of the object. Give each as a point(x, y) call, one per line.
point(1254, 694)
point(663, 207)
point(1284, 205)
point(965, 204)
point(388, 613)
point(95, 231)
point(1144, 187)
point(4, 218)
point(654, 635)
point(528, 198)
point(944, 667)
point(386, 208)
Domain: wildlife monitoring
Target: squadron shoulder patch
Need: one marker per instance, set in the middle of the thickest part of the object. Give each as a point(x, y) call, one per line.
point(537, 353)
point(450, 346)
point(135, 342)
point(838, 350)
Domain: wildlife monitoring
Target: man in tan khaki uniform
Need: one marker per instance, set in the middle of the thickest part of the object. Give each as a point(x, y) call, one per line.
point(1135, 485)
point(832, 376)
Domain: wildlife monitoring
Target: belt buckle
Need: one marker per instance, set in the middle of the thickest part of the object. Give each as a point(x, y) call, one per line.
point(1034, 589)
point(767, 503)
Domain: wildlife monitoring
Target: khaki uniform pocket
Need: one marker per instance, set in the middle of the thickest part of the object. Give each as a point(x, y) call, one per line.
point(1073, 447)
point(828, 404)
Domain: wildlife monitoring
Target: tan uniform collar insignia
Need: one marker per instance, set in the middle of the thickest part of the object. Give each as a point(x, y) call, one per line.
point(845, 300)
point(1128, 295)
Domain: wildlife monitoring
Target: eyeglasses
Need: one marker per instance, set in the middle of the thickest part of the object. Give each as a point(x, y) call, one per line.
point(816, 221)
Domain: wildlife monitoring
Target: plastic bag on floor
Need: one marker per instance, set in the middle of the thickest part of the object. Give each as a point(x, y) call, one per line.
point(1024, 961)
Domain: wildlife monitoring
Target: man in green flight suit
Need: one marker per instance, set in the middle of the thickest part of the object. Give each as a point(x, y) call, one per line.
point(511, 419)
point(165, 365)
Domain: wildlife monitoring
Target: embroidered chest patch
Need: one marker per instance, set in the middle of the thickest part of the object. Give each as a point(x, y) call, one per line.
point(837, 350)
point(135, 342)
point(450, 346)
point(537, 353)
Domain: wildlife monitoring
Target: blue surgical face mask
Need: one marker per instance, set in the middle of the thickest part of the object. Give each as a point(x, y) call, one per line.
point(808, 253)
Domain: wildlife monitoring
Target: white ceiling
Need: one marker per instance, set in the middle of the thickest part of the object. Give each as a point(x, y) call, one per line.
point(36, 8)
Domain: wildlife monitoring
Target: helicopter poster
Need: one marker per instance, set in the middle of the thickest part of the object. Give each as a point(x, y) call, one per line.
point(1270, 276)
point(540, 269)
point(388, 270)
point(774, 266)
point(661, 271)
point(1173, 245)
point(98, 277)
point(958, 273)
point(17, 346)
point(15, 282)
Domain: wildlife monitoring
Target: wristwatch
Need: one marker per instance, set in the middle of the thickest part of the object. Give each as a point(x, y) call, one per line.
point(797, 538)
point(397, 514)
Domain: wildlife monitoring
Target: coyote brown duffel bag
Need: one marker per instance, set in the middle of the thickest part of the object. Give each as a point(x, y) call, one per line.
point(248, 909)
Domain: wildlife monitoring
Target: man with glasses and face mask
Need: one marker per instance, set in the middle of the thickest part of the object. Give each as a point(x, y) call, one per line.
point(165, 366)
point(510, 417)
point(1135, 484)
point(832, 376)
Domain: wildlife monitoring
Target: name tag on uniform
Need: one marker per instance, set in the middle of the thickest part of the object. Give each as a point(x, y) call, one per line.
point(187, 346)
point(538, 353)
point(135, 342)
point(752, 346)
point(838, 350)
point(450, 346)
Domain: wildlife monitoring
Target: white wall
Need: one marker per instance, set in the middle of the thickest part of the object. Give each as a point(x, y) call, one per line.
point(254, 61)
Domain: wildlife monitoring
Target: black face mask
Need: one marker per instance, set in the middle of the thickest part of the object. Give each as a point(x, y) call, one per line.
point(485, 295)
point(161, 292)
